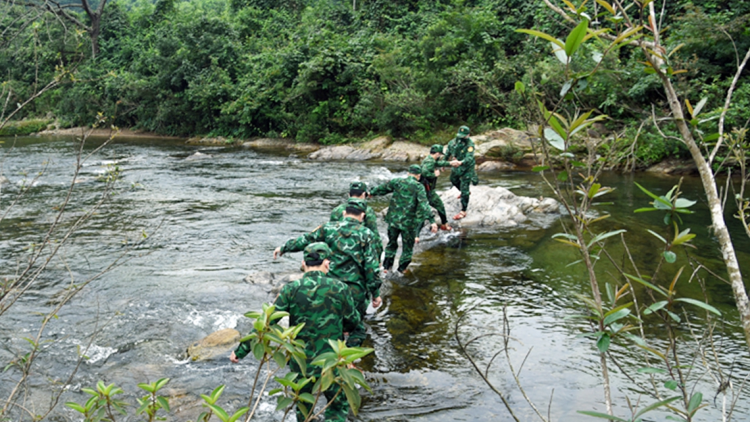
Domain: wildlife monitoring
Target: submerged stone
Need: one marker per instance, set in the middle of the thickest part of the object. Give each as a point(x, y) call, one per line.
point(213, 345)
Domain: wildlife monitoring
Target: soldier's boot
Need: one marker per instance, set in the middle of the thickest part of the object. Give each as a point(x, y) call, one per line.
point(445, 227)
point(402, 266)
point(387, 264)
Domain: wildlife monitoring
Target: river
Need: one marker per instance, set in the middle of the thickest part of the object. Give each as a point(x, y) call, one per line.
point(213, 221)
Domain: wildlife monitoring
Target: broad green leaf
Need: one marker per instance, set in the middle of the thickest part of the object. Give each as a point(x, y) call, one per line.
point(283, 402)
point(602, 416)
point(258, 351)
point(554, 139)
point(241, 411)
point(75, 406)
point(353, 397)
point(280, 359)
point(147, 387)
point(307, 397)
point(562, 176)
point(699, 106)
point(669, 256)
point(593, 190)
point(684, 203)
point(163, 402)
point(520, 88)
point(607, 6)
point(542, 35)
point(699, 304)
point(273, 392)
point(161, 383)
point(540, 168)
point(671, 384)
point(674, 316)
point(695, 401)
point(566, 87)
point(603, 342)
point(622, 313)
point(219, 411)
point(655, 307)
point(647, 209)
point(575, 38)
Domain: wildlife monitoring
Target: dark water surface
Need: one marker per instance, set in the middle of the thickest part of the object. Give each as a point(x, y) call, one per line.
point(220, 218)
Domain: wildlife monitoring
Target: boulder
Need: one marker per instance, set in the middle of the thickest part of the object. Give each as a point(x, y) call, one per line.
point(496, 207)
point(490, 166)
point(280, 144)
point(379, 148)
point(217, 140)
point(674, 166)
point(405, 152)
point(213, 345)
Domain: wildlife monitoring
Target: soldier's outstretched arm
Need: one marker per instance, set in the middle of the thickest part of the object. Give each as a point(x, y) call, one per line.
point(383, 189)
point(299, 244)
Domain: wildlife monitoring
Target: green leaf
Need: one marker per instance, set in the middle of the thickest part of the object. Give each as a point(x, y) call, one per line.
point(161, 383)
point(542, 35)
point(655, 307)
point(699, 304)
point(657, 404)
point(554, 139)
point(75, 406)
point(622, 313)
point(651, 371)
point(219, 411)
point(163, 402)
point(539, 168)
point(352, 396)
point(307, 397)
point(669, 256)
point(147, 387)
point(520, 88)
point(603, 236)
point(258, 351)
point(674, 316)
point(684, 203)
point(280, 359)
point(566, 87)
point(603, 342)
point(241, 411)
point(562, 176)
point(695, 401)
point(647, 284)
point(283, 402)
point(575, 38)
point(658, 236)
point(647, 209)
point(602, 416)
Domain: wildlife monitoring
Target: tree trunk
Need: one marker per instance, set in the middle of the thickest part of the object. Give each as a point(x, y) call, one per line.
point(714, 204)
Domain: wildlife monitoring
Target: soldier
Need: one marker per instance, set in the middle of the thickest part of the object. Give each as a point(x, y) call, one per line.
point(324, 305)
point(430, 172)
point(353, 259)
point(461, 149)
point(359, 190)
point(407, 210)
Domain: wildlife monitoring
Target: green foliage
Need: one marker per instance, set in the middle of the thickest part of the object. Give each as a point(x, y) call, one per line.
point(24, 127)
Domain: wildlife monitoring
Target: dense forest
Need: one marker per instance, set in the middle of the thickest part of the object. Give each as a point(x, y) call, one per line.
point(332, 71)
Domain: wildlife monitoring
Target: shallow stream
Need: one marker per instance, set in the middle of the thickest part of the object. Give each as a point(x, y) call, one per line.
point(212, 221)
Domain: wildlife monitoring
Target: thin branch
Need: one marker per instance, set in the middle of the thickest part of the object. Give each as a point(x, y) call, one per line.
point(727, 102)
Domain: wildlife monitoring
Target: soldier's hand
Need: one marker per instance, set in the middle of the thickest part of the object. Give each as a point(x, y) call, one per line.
point(416, 240)
point(233, 358)
point(277, 252)
point(376, 302)
point(455, 163)
point(437, 173)
point(433, 227)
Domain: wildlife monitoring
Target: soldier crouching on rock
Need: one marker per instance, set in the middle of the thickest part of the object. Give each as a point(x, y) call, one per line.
point(327, 309)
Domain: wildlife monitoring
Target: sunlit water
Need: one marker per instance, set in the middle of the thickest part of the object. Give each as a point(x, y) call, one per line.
point(211, 222)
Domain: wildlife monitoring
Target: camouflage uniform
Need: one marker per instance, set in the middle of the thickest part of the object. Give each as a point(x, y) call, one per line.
point(461, 148)
point(354, 259)
point(324, 305)
point(429, 180)
point(407, 210)
point(370, 221)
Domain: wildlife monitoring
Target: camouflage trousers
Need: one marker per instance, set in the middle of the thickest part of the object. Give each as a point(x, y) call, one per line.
point(359, 295)
point(339, 408)
point(437, 203)
point(462, 183)
point(407, 243)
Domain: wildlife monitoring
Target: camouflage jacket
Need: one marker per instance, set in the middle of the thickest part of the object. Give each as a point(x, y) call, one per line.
point(408, 207)
point(323, 304)
point(354, 259)
point(429, 165)
point(371, 221)
point(462, 150)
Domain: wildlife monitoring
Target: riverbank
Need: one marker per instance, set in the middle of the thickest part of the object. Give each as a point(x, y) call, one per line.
point(496, 150)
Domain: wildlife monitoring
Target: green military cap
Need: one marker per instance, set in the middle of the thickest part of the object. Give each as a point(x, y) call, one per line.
point(357, 204)
point(358, 186)
point(317, 252)
point(415, 169)
point(436, 148)
point(463, 132)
